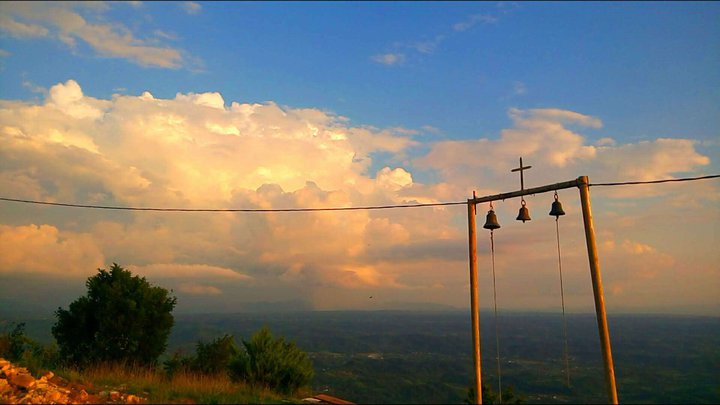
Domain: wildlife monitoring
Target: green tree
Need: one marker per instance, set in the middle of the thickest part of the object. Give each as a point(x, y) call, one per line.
point(272, 363)
point(123, 318)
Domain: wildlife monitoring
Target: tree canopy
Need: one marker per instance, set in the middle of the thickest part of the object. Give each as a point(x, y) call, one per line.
point(122, 318)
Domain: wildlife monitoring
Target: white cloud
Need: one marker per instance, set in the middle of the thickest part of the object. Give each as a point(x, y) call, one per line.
point(538, 135)
point(389, 59)
point(649, 160)
point(68, 98)
point(544, 139)
point(213, 100)
point(61, 21)
point(394, 179)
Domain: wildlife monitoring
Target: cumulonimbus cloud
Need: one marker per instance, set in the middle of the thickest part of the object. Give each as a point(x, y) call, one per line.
point(199, 150)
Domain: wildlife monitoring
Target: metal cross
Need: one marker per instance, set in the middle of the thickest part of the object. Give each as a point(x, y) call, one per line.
point(520, 169)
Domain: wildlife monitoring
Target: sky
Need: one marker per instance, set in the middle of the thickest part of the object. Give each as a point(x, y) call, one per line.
point(348, 104)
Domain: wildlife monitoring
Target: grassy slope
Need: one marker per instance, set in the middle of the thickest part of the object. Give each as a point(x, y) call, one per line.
point(182, 388)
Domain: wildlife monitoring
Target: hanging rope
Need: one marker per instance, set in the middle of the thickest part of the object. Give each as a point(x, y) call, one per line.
point(562, 296)
point(497, 336)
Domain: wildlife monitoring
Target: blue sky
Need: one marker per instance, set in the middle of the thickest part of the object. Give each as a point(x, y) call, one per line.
point(372, 102)
point(648, 69)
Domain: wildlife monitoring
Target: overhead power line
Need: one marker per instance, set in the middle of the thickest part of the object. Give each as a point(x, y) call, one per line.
point(108, 207)
point(626, 183)
point(364, 208)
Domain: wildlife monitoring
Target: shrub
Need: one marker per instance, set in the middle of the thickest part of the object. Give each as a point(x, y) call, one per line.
point(18, 342)
point(123, 318)
point(177, 364)
point(17, 347)
point(491, 397)
point(214, 357)
point(14, 343)
point(272, 363)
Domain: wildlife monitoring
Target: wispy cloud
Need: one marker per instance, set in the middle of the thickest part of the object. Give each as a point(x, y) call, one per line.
point(507, 6)
point(389, 59)
point(63, 22)
point(21, 30)
point(431, 129)
point(33, 87)
point(199, 289)
point(165, 35)
point(473, 20)
point(191, 7)
point(519, 88)
point(430, 46)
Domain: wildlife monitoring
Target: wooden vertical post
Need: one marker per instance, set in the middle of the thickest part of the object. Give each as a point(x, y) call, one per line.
point(474, 313)
point(597, 290)
point(584, 186)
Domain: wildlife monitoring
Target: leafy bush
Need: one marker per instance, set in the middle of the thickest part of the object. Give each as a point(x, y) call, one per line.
point(214, 357)
point(491, 397)
point(210, 358)
point(272, 363)
point(17, 347)
point(178, 363)
point(14, 343)
point(123, 318)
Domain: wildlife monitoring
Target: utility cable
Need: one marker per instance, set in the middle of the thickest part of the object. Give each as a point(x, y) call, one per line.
point(625, 183)
point(107, 207)
point(375, 207)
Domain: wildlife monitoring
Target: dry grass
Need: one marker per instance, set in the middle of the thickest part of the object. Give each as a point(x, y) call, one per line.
point(181, 388)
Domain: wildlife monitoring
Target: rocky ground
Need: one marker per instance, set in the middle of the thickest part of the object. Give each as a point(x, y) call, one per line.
point(19, 386)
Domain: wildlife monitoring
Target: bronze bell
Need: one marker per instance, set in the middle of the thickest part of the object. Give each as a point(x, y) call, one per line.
point(524, 214)
point(491, 221)
point(556, 209)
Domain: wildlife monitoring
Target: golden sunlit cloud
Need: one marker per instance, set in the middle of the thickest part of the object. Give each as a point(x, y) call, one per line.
point(199, 150)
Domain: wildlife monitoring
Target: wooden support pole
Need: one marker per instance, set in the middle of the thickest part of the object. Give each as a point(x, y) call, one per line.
point(583, 185)
point(474, 312)
point(597, 290)
point(535, 190)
